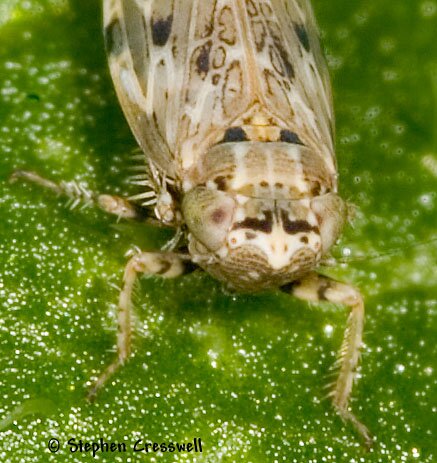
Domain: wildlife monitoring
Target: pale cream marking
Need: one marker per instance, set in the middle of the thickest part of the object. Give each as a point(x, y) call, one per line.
point(270, 177)
point(278, 246)
point(298, 179)
point(240, 175)
point(132, 87)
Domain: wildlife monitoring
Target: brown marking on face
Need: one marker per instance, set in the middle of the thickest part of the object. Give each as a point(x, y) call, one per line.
point(220, 181)
point(296, 226)
point(218, 216)
point(264, 225)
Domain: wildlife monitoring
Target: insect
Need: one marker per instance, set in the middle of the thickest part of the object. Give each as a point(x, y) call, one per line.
point(230, 102)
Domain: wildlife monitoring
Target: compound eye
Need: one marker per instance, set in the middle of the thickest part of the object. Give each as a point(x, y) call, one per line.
point(331, 213)
point(208, 215)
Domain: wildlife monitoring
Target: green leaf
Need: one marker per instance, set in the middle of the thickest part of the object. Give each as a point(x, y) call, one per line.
point(246, 374)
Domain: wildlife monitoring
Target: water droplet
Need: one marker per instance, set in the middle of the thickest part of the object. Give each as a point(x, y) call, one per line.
point(428, 9)
point(328, 330)
point(399, 368)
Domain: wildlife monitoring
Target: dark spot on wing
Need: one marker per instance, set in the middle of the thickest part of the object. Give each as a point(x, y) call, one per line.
point(234, 134)
point(113, 38)
point(283, 54)
point(161, 30)
point(290, 137)
point(202, 61)
point(286, 62)
point(302, 34)
point(296, 226)
point(265, 225)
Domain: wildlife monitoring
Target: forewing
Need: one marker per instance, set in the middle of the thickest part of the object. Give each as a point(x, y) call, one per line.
point(187, 70)
point(255, 62)
point(146, 53)
point(295, 79)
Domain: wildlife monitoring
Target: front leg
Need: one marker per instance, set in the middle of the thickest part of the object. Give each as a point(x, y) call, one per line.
point(166, 265)
point(315, 288)
point(77, 193)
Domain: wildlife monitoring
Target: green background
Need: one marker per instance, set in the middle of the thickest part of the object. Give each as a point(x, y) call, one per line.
point(244, 373)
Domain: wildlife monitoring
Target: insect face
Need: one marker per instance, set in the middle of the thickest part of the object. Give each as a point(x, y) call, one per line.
point(256, 224)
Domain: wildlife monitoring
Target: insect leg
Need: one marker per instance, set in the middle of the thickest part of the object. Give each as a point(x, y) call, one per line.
point(167, 265)
point(317, 288)
point(78, 193)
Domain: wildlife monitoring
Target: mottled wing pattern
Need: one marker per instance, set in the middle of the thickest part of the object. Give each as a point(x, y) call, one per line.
point(185, 71)
point(259, 63)
point(292, 70)
point(147, 52)
point(310, 95)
